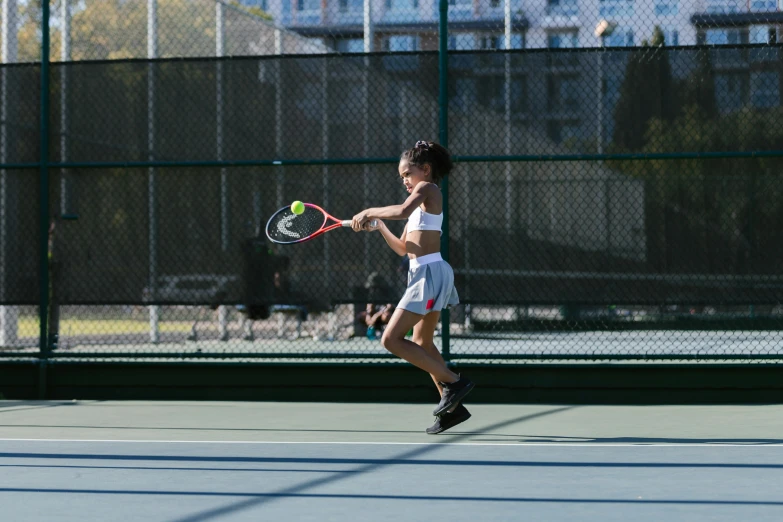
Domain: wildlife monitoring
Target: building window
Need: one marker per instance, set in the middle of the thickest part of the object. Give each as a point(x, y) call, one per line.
point(723, 6)
point(461, 4)
point(763, 6)
point(765, 89)
point(401, 43)
point(671, 37)
point(308, 5)
point(462, 42)
point(564, 40)
point(666, 7)
point(491, 42)
point(725, 36)
point(616, 8)
point(351, 6)
point(350, 45)
point(402, 5)
point(762, 34)
point(562, 8)
point(497, 42)
point(517, 41)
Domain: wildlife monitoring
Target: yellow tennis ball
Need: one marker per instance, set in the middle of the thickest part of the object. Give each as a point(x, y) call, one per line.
point(297, 207)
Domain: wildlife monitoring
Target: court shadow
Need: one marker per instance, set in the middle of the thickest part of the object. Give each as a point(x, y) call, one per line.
point(12, 406)
point(416, 456)
point(641, 441)
point(411, 456)
point(367, 467)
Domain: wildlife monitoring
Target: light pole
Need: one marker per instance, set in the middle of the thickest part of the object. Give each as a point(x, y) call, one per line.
point(602, 30)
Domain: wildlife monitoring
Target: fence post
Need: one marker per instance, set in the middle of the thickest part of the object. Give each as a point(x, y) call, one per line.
point(220, 40)
point(220, 37)
point(43, 225)
point(443, 119)
point(507, 114)
point(152, 53)
point(9, 315)
point(279, 122)
point(369, 46)
point(65, 55)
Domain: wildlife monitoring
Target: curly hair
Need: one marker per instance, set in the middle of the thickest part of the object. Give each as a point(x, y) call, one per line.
point(432, 154)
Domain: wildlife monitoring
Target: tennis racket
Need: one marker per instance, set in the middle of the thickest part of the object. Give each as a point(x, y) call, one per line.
point(285, 227)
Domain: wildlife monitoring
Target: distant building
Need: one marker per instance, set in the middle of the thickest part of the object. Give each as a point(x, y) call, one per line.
point(562, 94)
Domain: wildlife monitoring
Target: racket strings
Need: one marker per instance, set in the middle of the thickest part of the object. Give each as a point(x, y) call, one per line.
point(286, 227)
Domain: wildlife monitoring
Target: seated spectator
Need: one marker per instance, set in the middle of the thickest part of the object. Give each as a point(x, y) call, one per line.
point(376, 315)
point(283, 298)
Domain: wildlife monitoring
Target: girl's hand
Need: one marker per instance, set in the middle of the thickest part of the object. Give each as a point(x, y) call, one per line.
point(358, 221)
point(369, 225)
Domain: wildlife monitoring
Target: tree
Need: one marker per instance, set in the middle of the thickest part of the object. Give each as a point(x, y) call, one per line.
point(29, 33)
point(712, 215)
point(698, 89)
point(646, 93)
point(109, 30)
point(705, 215)
point(117, 29)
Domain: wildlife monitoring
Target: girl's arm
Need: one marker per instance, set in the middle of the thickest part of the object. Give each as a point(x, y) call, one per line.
point(419, 195)
point(395, 243)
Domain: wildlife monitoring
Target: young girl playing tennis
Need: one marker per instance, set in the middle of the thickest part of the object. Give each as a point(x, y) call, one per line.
point(430, 278)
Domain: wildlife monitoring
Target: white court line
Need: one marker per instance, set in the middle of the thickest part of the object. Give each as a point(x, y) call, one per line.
point(360, 443)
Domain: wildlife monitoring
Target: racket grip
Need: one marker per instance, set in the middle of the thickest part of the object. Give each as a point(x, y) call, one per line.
point(347, 223)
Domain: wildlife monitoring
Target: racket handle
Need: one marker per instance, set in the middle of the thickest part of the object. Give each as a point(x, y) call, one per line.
point(347, 223)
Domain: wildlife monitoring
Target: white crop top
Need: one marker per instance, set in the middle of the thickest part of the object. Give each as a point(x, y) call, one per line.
point(421, 220)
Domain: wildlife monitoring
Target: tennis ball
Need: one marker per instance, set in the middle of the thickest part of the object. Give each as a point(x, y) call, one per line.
point(297, 207)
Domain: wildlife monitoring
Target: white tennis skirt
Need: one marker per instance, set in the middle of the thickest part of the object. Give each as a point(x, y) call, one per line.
point(430, 286)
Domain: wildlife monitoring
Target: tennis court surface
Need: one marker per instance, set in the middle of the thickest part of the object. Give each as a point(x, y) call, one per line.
point(204, 461)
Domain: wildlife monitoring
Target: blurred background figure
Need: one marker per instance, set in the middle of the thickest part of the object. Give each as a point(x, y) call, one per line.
point(378, 310)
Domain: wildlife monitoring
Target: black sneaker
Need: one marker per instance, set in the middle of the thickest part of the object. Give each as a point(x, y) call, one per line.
point(453, 392)
point(449, 420)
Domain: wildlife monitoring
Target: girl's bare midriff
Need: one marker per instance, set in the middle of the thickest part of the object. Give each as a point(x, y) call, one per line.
point(422, 242)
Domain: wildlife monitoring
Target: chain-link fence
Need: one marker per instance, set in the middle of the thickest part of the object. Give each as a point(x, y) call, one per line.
point(617, 192)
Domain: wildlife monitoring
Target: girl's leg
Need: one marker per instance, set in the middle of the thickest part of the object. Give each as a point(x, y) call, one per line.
point(423, 335)
point(394, 340)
